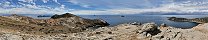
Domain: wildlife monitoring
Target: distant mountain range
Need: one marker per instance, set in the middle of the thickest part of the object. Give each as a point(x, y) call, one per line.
point(172, 13)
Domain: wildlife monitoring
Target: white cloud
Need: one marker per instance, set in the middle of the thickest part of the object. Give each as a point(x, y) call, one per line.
point(56, 1)
point(26, 1)
point(30, 11)
point(78, 3)
point(31, 6)
point(119, 3)
point(45, 1)
point(165, 8)
point(6, 4)
point(127, 7)
point(114, 7)
point(62, 7)
point(86, 6)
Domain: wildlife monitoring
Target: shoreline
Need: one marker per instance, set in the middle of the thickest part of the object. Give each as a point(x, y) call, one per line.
point(78, 28)
point(122, 32)
point(111, 20)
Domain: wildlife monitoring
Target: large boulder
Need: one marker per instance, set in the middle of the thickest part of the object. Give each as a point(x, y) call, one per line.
point(149, 28)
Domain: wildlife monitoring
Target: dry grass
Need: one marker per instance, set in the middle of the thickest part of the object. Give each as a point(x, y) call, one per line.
point(30, 28)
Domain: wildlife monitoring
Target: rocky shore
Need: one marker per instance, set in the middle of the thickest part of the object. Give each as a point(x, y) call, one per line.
point(72, 27)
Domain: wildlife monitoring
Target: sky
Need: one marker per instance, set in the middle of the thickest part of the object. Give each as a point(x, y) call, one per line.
point(104, 7)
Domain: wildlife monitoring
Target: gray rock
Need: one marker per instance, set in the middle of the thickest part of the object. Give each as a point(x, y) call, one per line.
point(149, 27)
point(163, 25)
point(135, 23)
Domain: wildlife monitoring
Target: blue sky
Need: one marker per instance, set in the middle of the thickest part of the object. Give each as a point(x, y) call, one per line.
point(104, 7)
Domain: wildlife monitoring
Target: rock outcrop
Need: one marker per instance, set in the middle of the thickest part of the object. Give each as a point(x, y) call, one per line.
point(67, 15)
point(66, 23)
point(70, 18)
point(147, 31)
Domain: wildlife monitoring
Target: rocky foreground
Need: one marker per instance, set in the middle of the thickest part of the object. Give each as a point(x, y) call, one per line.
point(72, 27)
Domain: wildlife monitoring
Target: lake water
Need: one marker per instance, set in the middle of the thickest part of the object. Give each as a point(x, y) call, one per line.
point(158, 19)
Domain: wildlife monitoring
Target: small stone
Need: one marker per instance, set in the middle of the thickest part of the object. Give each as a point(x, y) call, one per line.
point(65, 36)
point(134, 23)
point(149, 35)
point(109, 32)
point(163, 25)
point(97, 32)
point(158, 36)
point(144, 34)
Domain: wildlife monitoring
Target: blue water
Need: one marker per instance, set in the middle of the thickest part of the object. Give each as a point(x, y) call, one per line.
point(158, 19)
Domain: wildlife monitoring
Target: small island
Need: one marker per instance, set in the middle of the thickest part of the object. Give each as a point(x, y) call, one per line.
point(196, 20)
point(43, 16)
